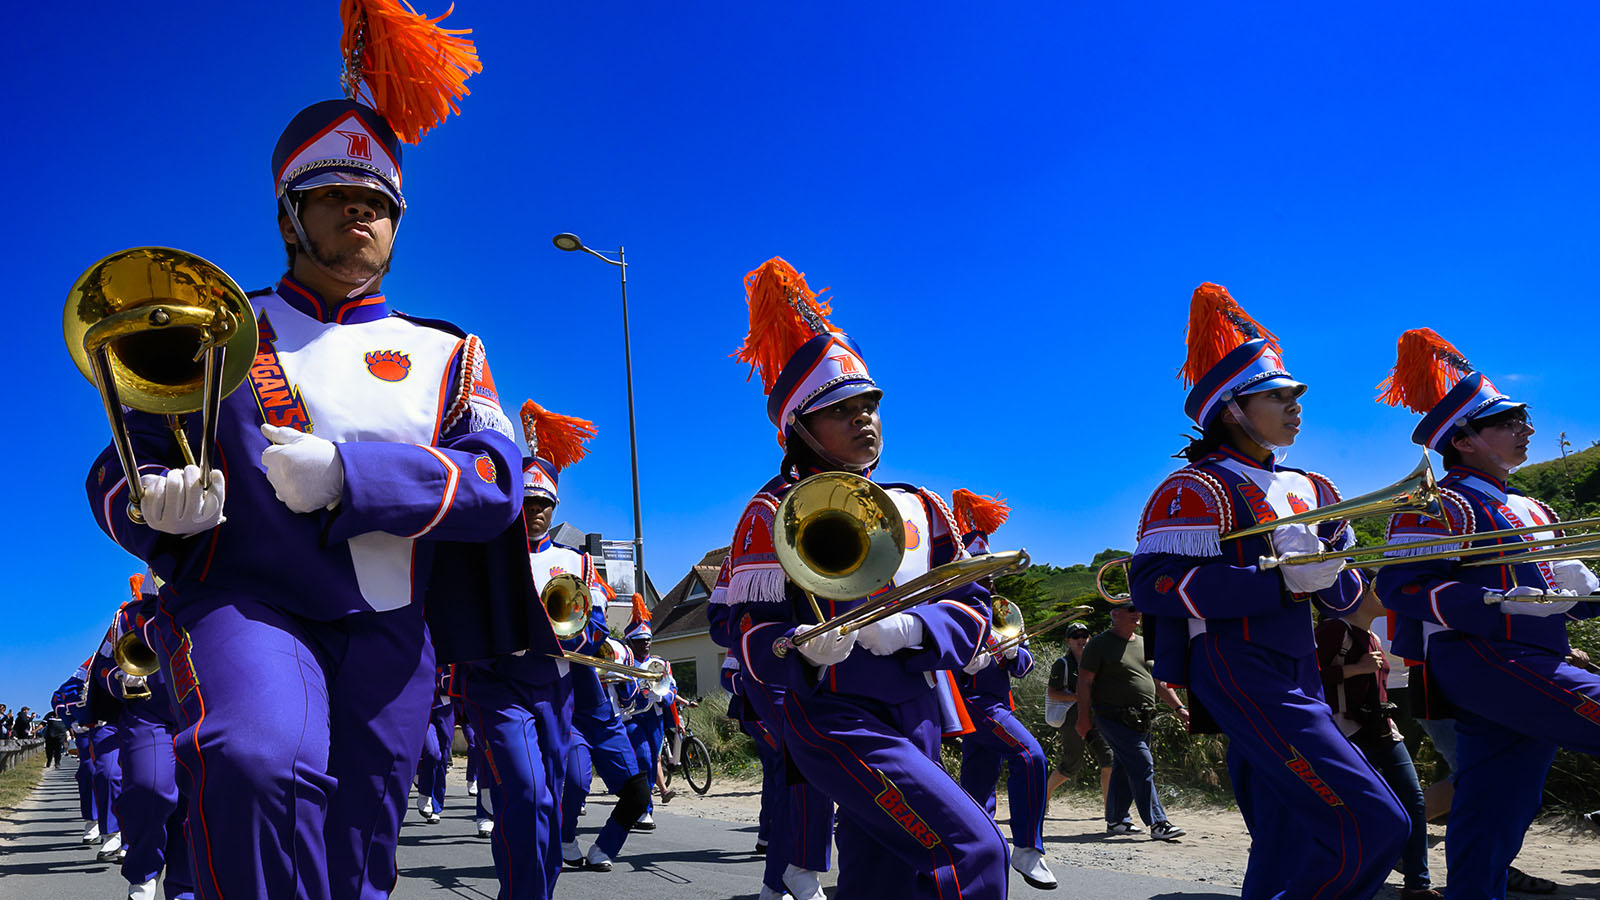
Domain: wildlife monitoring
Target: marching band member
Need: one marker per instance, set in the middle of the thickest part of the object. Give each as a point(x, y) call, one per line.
point(70, 701)
point(1498, 669)
point(105, 737)
point(998, 735)
point(367, 464)
point(434, 762)
point(1322, 821)
point(482, 818)
point(772, 776)
point(861, 723)
point(597, 717)
point(522, 705)
point(151, 808)
point(645, 706)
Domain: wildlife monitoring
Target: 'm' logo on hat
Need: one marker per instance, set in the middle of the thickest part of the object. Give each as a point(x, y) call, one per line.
point(848, 365)
point(358, 144)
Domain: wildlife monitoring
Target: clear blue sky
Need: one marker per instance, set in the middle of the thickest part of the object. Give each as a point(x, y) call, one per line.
point(1012, 204)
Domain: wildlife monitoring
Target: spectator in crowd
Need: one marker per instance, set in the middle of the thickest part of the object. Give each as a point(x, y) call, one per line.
point(23, 728)
point(6, 721)
point(1061, 698)
point(1355, 675)
point(1117, 694)
point(55, 738)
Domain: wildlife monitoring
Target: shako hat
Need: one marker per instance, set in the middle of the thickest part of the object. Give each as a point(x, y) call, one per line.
point(1431, 377)
point(1230, 355)
point(554, 442)
point(805, 362)
point(639, 626)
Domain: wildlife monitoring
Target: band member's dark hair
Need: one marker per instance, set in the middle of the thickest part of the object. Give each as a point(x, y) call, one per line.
point(1204, 443)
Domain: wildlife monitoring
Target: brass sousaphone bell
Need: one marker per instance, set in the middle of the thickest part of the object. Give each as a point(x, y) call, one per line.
point(135, 658)
point(165, 332)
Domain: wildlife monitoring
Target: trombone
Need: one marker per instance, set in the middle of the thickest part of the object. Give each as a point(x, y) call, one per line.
point(133, 657)
point(1050, 623)
point(1417, 492)
point(160, 331)
point(1100, 580)
point(841, 537)
point(1584, 544)
point(568, 603)
point(654, 670)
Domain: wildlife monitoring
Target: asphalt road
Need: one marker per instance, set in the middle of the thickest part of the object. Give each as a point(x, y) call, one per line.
point(42, 858)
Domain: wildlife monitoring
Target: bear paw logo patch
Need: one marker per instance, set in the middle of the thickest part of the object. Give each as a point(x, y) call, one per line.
point(1164, 584)
point(388, 365)
point(484, 467)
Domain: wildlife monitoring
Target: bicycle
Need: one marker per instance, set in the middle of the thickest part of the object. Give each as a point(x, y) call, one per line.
point(683, 751)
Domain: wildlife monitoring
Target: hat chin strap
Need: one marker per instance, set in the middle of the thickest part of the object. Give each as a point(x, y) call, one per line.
point(799, 428)
point(311, 254)
point(1482, 445)
point(1278, 452)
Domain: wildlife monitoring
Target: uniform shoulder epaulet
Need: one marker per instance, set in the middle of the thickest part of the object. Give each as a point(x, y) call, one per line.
point(1327, 492)
point(440, 324)
point(1458, 519)
point(939, 514)
point(261, 292)
point(753, 573)
point(1187, 514)
point(1543, 506)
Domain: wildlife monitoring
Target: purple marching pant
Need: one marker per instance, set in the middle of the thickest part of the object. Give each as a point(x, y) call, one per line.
point(1323, 822)
point(579, 775)
point(1515, 705)
point(1001, 736)
point(523, 728)
point(646, 732)
point(85, 778)
point(802, 816)
point(299, 743)
point(905, 829)
point(469, 734)
point(151, 806)
point(431, 767)
point(107, 744)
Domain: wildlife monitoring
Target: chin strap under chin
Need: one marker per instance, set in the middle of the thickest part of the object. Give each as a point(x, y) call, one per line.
point(1278, 452)
point(311, 254)
point(797, 427)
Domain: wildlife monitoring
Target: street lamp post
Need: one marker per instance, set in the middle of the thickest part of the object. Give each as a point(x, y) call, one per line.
point(569, 242)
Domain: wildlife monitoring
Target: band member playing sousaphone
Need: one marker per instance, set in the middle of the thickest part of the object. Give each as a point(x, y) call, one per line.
point(1498, 668)
point(365, 466)
point(861, 718)
point(1239, 636)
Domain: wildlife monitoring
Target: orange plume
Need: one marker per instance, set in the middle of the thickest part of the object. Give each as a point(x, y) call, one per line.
point(1426, 367)
point(784, 314)
point(413, 70)
point(975, 512)
point(640, 612)
point(555, 437)
point(136, 584)
point(1217, 326)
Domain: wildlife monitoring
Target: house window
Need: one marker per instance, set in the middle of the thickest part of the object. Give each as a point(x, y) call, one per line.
point(683, 671)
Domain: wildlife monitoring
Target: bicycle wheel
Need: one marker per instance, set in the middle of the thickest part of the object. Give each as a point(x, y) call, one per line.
point(697, 764)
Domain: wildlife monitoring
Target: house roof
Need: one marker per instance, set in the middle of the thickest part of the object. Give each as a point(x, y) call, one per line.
point(683, 610)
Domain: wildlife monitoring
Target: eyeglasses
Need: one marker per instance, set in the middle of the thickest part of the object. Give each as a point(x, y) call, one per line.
point(1516, 426)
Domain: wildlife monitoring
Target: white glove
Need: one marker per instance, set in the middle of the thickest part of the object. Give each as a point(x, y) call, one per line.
point(828, 649)
point(891, 633)
point(979, 662)
point(176, 503)
point(1310, 577)
point(1574, 576)
point(1011, 651)
point(1288, 539)
point(305, 470)
point(130, 681)
point(1514, 607)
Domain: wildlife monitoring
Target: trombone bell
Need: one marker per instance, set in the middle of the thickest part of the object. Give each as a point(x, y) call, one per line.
point(133, 657)
point(567, 602)
point(839, 536)
point(1005, 618)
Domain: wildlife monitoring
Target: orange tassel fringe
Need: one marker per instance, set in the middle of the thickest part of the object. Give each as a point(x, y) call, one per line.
point(136, 584)
point(413, 70)
point(640, 612)
point(776, 294)
point(975, 512)
point(558, 438)
point(1217, 326)
point(1426, 367)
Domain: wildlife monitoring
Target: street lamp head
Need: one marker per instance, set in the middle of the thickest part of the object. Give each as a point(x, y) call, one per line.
point(567, 241)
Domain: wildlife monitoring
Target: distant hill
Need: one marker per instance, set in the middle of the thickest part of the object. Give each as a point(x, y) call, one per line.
point(1570, 484)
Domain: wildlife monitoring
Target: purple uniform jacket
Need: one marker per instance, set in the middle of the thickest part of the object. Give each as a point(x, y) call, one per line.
point(762, 606)
point(1187, 576)
point(1441, 594)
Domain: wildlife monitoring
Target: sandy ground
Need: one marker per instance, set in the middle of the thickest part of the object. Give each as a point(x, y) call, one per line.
point(1215, 847)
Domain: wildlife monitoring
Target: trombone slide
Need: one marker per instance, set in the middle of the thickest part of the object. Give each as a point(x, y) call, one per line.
point(1493, 597)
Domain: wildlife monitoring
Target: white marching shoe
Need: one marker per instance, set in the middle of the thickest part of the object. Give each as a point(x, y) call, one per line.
point(425, 806)
point(91, 831)
point(646, 822)
point(572, 854)
point(472, 789)
point(485, 827)
point(1030, 864)
point(111, 847)
point(146, 891)
point(770, 894)
point(598, 860)
point(804, 884)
